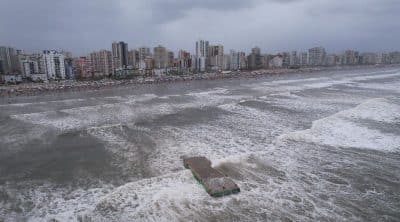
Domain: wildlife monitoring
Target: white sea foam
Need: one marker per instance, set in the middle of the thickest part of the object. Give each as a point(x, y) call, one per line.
point(391, 86)
point(321, 82)
point(129, 110)
point(226, 140)
point(345, 129)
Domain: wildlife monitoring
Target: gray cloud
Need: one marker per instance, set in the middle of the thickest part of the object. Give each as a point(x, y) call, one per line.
point(82, 26)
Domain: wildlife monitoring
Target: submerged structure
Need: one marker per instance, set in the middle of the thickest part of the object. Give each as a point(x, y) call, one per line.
point(215, 183)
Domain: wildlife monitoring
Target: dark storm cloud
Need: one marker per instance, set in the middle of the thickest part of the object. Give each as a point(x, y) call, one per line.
point(55, 24)
point(85, 25)
point(165, 11)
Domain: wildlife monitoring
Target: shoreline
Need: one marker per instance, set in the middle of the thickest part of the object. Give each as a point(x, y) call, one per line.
point(36, 89)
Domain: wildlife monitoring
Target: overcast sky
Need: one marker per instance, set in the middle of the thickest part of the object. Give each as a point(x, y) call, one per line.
point(81, 26)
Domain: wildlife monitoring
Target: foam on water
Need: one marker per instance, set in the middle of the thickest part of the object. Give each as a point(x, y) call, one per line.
point(343, 129)
point(128, 111)
point(290, 179)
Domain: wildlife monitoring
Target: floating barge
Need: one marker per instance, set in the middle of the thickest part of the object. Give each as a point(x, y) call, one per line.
point(214, 182)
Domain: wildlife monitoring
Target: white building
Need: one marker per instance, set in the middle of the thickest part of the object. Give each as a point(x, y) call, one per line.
point(9, 60)
point(317, 56)
point(276, 62)
point(235, 61)
point(54, 64)
point(294, 58)
point(201, 55)
point(226, 63)
point(304, 59)
point(200, 64)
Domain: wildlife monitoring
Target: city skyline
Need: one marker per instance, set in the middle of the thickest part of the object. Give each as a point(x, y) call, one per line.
point(83, 27)
point(122, 63)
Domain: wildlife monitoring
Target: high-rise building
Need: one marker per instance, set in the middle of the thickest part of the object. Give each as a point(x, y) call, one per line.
point(101, 62)
point(256, 50)
point(317, 56)
point(160, 57)
point(382, 58)
point(171, 59)
point(133, 58)
point(215, 50)
point(304, 59)
point(332, 60)
point(255, 59)
point(31, 65)
point(226, 62)
point(83, 67)
point(276, 61)
point(119, 55)
point(66, 54)
point(202, 48)
point(201, 58)
point(184, 59)
point(144, 52)
point(294, 59)
point(368, 58)
point(1, 67)
point(235, 60)
point(69, 68)
point(242, 60)
point(146, 65)
point(394, 57)
point(216, 57)
point(351, 57)
point(54, 64)
point(9, 59)
point(286, 59)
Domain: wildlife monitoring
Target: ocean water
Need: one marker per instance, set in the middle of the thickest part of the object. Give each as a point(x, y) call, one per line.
point(302, 147)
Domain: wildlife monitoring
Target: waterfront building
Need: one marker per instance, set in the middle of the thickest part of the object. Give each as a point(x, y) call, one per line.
point(242, 60)
point(333, 60)
point(286, 59)
point(382, 58)
point(226, 62)
point(235, 60)
point(201, 56)
point(119, 55)
point(83, 67)
point(67, 54)
point(171, 59)
point(368, 58)
point(304, 59)
point(394, 57)
point(160, 57)
point(294, 59)
point(54, 64)
point(351, 57)
point(184, 60)
point(144, 52)
point(317, 56)
point(216, 57)
point(255, 59)
point(215, 50)
point(133, 58)
point(1, 67)
point(69, 68)
point(32, 64)
point(276, 62)
point(101, 63)
point(9, 58)
point(202, 48)
point(146, 64)
point(256, 50)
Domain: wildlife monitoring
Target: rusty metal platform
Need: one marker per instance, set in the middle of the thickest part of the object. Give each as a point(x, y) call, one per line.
point(215, 183)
